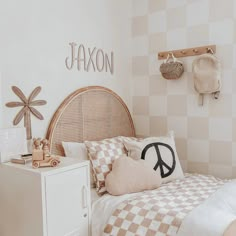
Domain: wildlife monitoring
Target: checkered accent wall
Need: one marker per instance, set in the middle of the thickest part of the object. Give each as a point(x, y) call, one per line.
point(205, 136)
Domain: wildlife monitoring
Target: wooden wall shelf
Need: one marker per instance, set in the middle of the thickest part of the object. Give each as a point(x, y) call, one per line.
point(187, 52)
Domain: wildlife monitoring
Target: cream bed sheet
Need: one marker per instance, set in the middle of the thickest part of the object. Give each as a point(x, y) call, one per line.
point(102, 209)
point(94, 195)
point(214, 216)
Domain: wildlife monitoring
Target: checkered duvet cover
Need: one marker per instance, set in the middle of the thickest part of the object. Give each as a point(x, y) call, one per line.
point(161, 211)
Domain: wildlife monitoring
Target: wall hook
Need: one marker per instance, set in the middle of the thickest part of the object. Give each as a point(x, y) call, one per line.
point(209, 50)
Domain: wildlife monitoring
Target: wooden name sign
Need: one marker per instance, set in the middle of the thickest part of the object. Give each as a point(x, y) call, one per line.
point(87, 58)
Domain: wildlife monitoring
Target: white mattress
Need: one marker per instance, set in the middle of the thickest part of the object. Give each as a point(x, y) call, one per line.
point(94, 195)
point(102, 209)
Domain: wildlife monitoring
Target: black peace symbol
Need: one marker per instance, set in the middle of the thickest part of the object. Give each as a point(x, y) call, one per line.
point(160, 161)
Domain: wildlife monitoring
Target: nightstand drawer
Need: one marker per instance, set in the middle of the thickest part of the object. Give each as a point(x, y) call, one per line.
point(67, 202)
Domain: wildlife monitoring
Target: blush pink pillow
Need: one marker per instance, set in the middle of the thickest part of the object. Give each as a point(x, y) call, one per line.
point(130, 176)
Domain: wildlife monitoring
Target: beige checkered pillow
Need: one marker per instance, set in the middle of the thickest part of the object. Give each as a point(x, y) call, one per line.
point(102, 154)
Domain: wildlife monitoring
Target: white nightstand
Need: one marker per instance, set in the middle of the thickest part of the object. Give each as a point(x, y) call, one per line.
point(45, 201)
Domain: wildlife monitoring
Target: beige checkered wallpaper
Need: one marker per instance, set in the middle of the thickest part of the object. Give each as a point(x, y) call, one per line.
point(205, 136)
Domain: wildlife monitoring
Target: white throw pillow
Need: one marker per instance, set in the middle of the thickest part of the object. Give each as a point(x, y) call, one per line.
point(73, 149)
point(160, 153)
point(78, 150)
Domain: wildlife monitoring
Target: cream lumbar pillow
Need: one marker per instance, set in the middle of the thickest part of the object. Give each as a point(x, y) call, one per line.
point(160, 153)
point(130, 176)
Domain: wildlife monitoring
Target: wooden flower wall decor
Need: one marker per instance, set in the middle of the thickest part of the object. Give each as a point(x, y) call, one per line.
point(27, 108)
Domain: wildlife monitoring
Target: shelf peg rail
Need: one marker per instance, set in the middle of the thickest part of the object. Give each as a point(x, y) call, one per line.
point(188, 52)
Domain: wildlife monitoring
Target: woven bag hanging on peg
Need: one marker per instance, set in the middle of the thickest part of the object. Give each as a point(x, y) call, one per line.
point(171, 68)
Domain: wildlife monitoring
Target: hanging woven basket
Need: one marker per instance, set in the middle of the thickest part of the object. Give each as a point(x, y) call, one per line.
point(171, 69)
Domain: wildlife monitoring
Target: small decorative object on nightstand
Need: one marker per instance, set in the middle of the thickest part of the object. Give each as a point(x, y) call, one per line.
point(41, 156)
point(23, 159)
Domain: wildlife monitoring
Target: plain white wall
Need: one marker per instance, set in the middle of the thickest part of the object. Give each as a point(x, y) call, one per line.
point(34, 44)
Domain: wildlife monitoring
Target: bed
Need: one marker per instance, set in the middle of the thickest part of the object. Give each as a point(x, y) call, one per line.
point(180, 207)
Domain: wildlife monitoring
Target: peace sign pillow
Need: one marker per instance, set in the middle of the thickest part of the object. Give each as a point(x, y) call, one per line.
point(160, 153)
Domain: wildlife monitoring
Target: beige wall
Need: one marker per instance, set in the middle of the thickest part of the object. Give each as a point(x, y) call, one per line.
point(205, 136)
point(34, 44)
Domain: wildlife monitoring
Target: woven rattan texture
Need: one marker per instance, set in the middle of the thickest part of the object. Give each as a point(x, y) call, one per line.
point(172, 70)
point(93, 114)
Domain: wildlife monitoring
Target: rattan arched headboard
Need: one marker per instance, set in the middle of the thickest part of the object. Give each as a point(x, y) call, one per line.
point(90, 113)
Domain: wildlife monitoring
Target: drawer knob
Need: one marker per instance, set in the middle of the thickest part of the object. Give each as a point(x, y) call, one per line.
point(85, 215)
